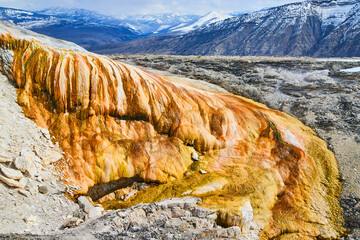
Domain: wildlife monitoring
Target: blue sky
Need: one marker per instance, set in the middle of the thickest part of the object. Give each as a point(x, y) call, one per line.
point(134, 7)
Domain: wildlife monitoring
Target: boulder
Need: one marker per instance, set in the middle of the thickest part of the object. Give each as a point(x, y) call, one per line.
point(85, 204)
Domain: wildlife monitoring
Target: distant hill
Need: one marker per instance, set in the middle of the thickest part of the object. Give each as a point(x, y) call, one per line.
point(310, 28)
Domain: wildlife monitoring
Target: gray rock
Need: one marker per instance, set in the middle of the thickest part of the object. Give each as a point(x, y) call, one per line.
point(18, 132)
point(72, 222)
point(166, 219)
point(142, 186)
point(32, 187)
point(234, 232)
point(85, 204)
point(185, 202)
point(22, 164)
point(177, 223)
point(178, 212)
point(51, 156)
point(212, 216)
point(202, 212)
point(357, 206)
point(95, 212)
point(137, 216)
point(43, 189)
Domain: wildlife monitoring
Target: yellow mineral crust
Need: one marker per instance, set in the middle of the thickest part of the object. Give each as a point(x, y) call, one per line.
point(116, 121)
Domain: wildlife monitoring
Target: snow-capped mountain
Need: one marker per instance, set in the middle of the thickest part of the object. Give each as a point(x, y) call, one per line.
point(150, 24)
point(311, 28)
point(156, 24)
point(90, 28)
point(84, 15)
point(27, 19)
point(172, 23)
point(209, 18)
point(84, 31)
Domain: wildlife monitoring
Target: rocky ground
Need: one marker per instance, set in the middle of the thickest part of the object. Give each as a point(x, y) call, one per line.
point(177, 218)
point(322, 93)
point(35, 203)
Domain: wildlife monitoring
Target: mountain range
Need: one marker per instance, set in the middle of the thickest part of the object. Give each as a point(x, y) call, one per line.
point(80, 31)
point(90, 28)
point(148, 24)
point(321, 28)
point(316, 28)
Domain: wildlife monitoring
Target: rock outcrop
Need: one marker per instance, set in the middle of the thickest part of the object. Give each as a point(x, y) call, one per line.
point(116, 122)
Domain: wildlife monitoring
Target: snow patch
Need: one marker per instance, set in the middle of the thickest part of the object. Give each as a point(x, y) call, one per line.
point(338, 60)
point(351, 70)
point(333, 15)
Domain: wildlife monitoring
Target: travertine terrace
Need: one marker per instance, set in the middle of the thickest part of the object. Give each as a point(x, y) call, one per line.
point(114, 121)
